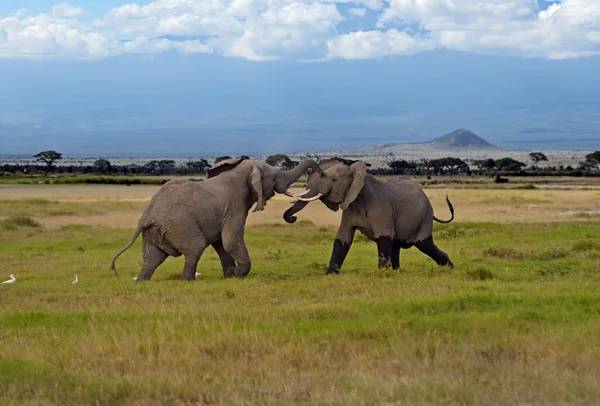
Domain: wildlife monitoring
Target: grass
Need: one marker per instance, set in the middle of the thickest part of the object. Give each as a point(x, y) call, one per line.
point(517, 320)
point(82, 180)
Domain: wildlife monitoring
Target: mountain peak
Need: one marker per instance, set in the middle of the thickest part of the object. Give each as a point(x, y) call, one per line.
point(462, 138)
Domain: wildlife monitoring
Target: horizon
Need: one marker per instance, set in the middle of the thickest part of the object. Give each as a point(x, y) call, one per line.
point(196, 78)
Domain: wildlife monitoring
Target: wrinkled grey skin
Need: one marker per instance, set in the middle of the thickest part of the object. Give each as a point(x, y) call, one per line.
point(184, 217)
point(395, 214)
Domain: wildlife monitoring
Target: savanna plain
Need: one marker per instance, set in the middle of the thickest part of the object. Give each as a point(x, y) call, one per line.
point(517, 321)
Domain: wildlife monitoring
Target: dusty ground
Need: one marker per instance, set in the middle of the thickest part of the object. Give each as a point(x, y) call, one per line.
point(121, 206)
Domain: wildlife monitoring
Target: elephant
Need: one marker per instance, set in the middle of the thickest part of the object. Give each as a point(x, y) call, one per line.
point(395, 214)
point(184, 217)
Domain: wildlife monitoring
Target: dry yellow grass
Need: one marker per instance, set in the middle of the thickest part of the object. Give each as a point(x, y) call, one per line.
point(121, 206)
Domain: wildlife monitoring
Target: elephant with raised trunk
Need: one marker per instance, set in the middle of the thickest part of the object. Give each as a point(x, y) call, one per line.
point(395, 214)
point(184, 217)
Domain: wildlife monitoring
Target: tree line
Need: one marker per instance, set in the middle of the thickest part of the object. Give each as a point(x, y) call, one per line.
point(46, 163)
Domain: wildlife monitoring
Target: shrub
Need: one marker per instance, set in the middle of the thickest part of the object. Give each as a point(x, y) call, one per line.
point(22, 221)
point(585, 245)
point(553, 253)
point(480, 274)
point(503, 252)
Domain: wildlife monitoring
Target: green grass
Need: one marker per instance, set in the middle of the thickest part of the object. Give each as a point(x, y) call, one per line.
point(501, 328)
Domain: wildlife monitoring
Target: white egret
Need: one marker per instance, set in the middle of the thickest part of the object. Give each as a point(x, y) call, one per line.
point(11, 280)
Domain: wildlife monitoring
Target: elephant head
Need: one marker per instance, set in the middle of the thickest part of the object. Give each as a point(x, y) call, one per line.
point(337, 186)
point(265, 179)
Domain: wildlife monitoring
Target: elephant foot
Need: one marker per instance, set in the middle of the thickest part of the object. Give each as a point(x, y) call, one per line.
point(229, 272)
point(237, 272)
point(333, 270)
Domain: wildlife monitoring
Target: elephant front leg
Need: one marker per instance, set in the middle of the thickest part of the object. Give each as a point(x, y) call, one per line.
point(227, 260)
point(233, 243)
point(341, 246)
point(384, 250)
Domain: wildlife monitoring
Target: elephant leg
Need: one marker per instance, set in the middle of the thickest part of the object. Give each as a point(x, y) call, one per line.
point(233, 243)
point(396, 254)
point(192, 254)
point(227, 260)
point(384, 250)
point(341, 246)
point(153, 257)
point(428, 247)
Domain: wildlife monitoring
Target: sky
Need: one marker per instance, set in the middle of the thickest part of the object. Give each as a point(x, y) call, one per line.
point(210, 77)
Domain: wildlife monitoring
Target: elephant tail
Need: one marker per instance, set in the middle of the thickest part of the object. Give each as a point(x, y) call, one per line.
point(135, 236)
point(451, 211)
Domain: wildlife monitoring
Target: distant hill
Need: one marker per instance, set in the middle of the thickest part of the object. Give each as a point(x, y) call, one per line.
point(461, 138)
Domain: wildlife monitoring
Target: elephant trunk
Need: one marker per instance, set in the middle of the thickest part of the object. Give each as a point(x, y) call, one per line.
point(288, 216)
point(286, 178)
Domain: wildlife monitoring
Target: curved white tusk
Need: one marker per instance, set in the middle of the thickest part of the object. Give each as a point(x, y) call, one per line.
point(310, 199)
point(296, 196)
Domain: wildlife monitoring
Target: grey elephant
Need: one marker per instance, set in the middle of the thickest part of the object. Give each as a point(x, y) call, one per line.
point(395, 214)
point(184, 217)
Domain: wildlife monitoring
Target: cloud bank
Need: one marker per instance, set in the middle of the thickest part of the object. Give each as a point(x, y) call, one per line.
point(262, 30)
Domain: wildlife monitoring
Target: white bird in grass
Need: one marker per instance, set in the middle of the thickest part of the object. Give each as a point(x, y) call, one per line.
point(76, 280)
point(11, 280)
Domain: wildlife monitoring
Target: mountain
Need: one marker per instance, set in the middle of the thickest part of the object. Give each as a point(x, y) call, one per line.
point(461, 138)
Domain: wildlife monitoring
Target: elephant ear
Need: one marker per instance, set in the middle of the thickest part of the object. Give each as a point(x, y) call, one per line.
point(359, 171)
point(224, 165)
point(256, 182)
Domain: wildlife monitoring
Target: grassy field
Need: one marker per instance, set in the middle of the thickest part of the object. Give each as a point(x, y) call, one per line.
point(516, 322)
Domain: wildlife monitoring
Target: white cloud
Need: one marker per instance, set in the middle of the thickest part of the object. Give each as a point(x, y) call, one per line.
point(67, 10)
point(373, 44)
point(357, 12)
point(307, 29)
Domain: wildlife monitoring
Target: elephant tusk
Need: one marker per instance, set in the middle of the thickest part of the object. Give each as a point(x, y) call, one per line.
point(296, 196)
point(310, 199)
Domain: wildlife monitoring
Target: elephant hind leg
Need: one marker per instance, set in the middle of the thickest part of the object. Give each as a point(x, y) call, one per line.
point(227, 260)
point(385, 248)
point(428, 247)
point(192, 257)
point(153, 256)
point(397, 245)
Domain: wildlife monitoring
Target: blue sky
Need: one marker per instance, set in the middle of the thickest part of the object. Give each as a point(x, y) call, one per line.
point(206, 77)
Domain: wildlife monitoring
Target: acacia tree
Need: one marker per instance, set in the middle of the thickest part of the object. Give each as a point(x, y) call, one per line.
point(537, 157)
point(593, 157)
point(485, 164)
point(509, 164)
point(48, 158)
point(197, 166)
point(102, 165)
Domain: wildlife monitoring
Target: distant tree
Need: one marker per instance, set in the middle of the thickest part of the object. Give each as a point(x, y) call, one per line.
point(159, 167)
point(593, 157)
point(349, 162)
point(281, 160)
point(537, 157)
point(485, 164)
point(222, 158)
point(102, 165)
point(400, 167)
point(48, 158)
point(197, 166)
point(509, 164)
point(450, 165)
